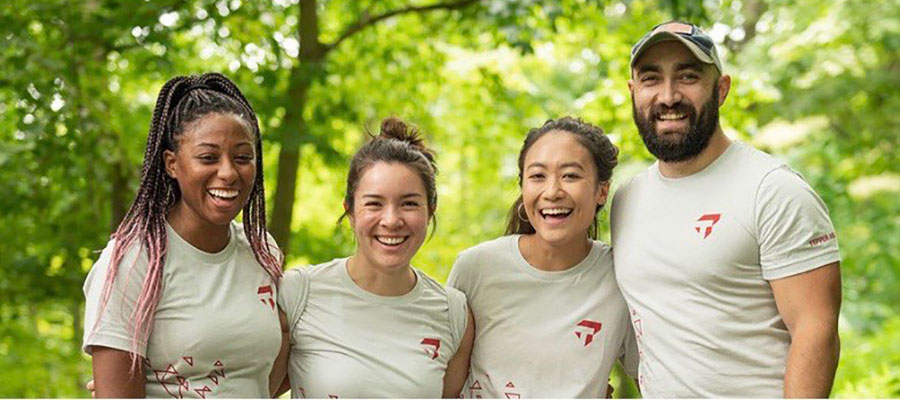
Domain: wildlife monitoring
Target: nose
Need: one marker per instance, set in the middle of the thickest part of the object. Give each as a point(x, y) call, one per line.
point(391, 218)
point(553, 190)
point(227, 171)
point(669, 93)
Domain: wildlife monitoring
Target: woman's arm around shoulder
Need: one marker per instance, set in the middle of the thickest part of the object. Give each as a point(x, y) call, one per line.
point(458, 366)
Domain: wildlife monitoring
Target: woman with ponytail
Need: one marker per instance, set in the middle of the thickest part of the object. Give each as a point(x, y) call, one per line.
point(181, 302)
point(371, 325)
point(550, 320)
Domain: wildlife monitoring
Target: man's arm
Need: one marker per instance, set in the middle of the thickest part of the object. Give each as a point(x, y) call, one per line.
point(809, 304)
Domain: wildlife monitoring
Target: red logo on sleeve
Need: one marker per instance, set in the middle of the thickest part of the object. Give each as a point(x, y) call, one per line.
point(705, 224)
point(586, 329)
point(431, 347)
point(265, 295)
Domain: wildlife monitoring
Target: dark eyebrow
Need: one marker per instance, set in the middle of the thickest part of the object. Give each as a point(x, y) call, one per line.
point(373, 196)
point(412, 195)
point(535, 165)
point(648, 68)
point(690, 66)
point(573, 164)
point(215, 146)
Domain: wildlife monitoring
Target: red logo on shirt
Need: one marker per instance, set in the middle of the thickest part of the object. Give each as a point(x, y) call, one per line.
point(265, 295)
point(705, 224)
point(586, 329)
point(511, 394)
point(431, 347)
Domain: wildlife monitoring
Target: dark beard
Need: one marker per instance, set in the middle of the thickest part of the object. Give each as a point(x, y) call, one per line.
point(690, 143)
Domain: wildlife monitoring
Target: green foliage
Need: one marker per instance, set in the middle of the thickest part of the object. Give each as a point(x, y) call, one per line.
point(814, 83)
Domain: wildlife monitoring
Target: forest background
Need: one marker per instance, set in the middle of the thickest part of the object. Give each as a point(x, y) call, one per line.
point(815, 83)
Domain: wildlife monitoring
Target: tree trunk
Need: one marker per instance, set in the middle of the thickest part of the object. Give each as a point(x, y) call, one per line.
point(312, 55)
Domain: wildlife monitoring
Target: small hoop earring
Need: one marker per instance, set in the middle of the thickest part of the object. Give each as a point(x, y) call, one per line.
point(519, 213)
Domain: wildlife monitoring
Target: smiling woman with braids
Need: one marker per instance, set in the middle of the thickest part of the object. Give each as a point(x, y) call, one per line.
point(181, 302)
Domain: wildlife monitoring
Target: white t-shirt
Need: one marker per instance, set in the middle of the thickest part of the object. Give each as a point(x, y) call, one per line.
point(349, 343)
point(694, 256)
point(539, 333)
point(215, 332)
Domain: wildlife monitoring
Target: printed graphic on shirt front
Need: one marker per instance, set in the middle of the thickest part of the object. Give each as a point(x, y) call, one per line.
point(705, 224)
point(510, 391)
point(176, 384)
point(638, 325)
point(475, 390)
point(586, 329)
point(266, 296)
point(431, 346)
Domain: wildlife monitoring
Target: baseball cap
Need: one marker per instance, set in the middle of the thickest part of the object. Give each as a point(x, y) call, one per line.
point(697, 41)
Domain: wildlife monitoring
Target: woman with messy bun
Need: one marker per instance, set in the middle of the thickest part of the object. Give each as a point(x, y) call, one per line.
point(371, 325)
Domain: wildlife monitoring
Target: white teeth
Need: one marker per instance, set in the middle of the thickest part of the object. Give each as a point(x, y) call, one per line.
point(223, 193)
point(390, 240)
point(671, 116)
point(556, 211)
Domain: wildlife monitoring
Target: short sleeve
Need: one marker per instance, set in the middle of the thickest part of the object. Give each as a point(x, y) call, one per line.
point(111, 327)
point(458, 315)
point(794, 230)
point(630, 355)
point(292, 294)
point(460, 275)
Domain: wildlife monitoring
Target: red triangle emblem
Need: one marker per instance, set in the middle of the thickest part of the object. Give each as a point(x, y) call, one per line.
point(510, 385)
point(189, 360)
point(475, 386)
point(218, 363)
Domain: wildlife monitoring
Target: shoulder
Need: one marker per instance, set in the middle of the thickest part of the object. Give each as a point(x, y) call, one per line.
point(241, 235)
point(133, 257)
point(486, 253)
point(295, 276)
point(604, 251)
point(623, 191)
point(490, 248)
point(325, 270)
point(749, 158)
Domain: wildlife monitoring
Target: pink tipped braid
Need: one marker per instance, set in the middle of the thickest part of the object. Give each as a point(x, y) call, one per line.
point(145, 220)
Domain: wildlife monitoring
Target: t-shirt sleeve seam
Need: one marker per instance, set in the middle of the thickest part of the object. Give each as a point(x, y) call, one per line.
point(796, 267)
point(113, 341)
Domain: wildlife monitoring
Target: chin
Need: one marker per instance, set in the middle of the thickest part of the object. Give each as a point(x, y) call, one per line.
point(392, 263)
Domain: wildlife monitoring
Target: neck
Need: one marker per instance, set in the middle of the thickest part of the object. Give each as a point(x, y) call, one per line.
point(552, 257)
point(206, 237)
point(380, 282)
point(718, 143)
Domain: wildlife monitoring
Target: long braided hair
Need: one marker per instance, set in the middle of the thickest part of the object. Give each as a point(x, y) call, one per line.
point(182, 101)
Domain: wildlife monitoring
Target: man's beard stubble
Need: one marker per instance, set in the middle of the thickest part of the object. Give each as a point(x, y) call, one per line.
point(700, 129)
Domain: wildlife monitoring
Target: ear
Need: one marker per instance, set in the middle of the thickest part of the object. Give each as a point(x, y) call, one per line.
point(724, 88)
point(602, 193)
point(169, 162)
point(631, 87)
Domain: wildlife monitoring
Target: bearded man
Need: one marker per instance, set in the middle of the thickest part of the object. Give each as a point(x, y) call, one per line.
point(726, 257)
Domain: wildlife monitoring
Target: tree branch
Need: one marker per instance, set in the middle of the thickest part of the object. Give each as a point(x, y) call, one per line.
point(752, 11)
point(367, 20)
